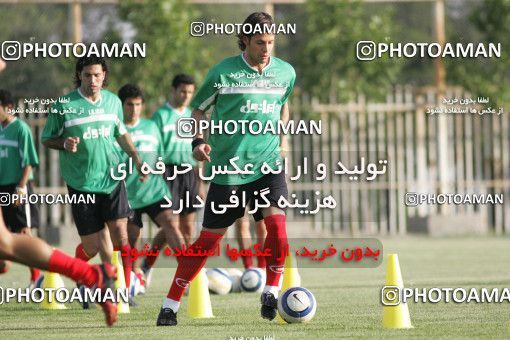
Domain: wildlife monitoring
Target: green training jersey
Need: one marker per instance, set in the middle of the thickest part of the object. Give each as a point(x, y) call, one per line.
point(17, 151)
point(97, 125)
point(238, 92)
point(176, 150)
point(147, 140)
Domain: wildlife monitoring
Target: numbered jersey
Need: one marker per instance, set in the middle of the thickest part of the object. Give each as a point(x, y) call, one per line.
point(238, 92)
point(97, 125)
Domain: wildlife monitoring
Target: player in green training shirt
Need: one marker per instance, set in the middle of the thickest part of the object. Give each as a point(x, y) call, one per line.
point(177, 151)
point(83, 126)
point(17, 158)
point(149, 196)
point(253, 87)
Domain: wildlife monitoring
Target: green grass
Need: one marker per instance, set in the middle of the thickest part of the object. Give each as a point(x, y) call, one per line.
point(348, 301)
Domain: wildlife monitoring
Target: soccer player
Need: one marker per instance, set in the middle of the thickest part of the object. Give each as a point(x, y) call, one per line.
point(83, 125)
point(34, 252)
point(17, 158)
point(177, 151)
point(147, 197)
point(252, 86)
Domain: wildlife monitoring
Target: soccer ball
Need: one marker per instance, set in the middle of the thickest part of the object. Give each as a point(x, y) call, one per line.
point(235, 277)
point(135, 286)
point(297, 304)
point(253, 280)
point(219, 281)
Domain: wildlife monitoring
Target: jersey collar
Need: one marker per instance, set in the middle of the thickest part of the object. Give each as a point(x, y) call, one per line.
point(174, 109)
point(2, 128)
point(254, 68)
point(97, 102)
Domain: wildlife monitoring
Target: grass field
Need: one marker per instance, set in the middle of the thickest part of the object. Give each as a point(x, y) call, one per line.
point(348, 301)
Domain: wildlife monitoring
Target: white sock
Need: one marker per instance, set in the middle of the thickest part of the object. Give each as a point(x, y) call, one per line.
point(172, 304)
point(272, 289)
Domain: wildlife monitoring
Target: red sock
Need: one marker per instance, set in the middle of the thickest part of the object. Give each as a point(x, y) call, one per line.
point(190, 266)
point(276, 240)
point(80, 253)
point(261, 262)
point(247, 261)
point(76, 269)
point(127, 263)
point(34, 274)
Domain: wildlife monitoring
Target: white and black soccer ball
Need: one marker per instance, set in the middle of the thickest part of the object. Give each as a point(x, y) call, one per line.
point(219, 281)
point(235, 277)
point(253, 280)
point(296, 305)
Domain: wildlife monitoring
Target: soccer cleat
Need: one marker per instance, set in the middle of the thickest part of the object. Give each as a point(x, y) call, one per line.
point(166, 317)
point(269, 305)
point(107, 274)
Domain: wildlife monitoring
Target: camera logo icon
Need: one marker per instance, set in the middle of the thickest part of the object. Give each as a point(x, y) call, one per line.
point(197, 29)
point(411, 199)
point(365, 50)
point(11, 50)
point(390, 295)
point(186, 128)
point(5, 199)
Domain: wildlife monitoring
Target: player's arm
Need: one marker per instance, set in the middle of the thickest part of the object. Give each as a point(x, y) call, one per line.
point(201, 149)
point(126, 143)
point(69, 144)
point(284, 117)
point(3, 65)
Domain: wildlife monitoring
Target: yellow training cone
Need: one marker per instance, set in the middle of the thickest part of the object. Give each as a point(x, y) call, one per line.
point(395, 312)
point(52, 281)
point(291, 279)
point(199, 301)
point(120, 283)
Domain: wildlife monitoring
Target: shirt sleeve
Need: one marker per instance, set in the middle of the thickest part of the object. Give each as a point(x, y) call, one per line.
point(28, 153)
point(54, 126)
point(120, 128)
point(208, 92)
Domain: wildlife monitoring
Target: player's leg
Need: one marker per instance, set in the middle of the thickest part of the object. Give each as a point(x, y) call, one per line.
point(260, 231)
point(158, 243)
point(34, 252)
point(19, 219)
point(88, 223)
point(187, 226)
point(168, 221)
point(115, 211)
point(214, 227)
point(134, 227)
point(34, 272)
point(244, 238)
point(118, 232)
point(105, 245)
point(276, 239)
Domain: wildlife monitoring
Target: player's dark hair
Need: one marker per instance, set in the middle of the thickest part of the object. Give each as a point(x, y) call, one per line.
point(182, 79)
point(6, 98)
point(87, 61)
point(130, 91)
point(260, 18)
